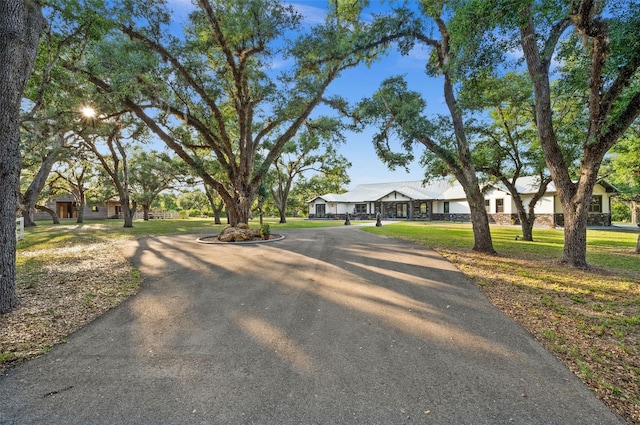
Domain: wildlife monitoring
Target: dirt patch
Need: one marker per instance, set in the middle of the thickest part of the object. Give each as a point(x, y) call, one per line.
point(60, 290)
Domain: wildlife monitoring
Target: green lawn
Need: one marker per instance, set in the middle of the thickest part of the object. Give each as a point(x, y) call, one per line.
point(612, 248)
point(70, 233)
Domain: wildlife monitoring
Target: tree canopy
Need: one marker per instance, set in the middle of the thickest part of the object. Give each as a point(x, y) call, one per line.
point(214, 86)
point(590, 48)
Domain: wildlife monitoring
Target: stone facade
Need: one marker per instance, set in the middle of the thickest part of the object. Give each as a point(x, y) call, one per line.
point(593, 219)
point(542, 220)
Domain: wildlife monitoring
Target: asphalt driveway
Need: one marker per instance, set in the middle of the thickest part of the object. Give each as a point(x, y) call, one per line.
point(328, 326)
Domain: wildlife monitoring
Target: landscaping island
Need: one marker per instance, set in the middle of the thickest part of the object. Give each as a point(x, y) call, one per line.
point(242, 233)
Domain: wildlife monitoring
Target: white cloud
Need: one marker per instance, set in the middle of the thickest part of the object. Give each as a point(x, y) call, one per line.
point(312, 15)
point(280, 64)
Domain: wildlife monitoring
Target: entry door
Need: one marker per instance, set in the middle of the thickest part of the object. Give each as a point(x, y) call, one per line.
point(321, 210)
point(402, 210)
point(64, 209)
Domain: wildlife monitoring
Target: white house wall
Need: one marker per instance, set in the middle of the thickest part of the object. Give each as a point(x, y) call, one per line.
point(458, 207)
point(597, 190)
point(455, 207)
point(600, 190)
point(544, 205)
point(396, 197)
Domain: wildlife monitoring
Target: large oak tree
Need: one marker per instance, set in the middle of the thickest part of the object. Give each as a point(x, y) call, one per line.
point(401, 113)
point(217, 86)
point(611, 96)
point(590, 46)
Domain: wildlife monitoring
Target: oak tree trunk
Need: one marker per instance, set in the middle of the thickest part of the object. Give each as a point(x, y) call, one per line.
point(239, 206)
point(81, 202)
point(526, 225)
point(21, 23)
point(526, 220)
point(31, 195)
point(281, 196)
point(574, 253)
point(127, 211)
point(52, 213)
point(482, 241)
point(215, 207)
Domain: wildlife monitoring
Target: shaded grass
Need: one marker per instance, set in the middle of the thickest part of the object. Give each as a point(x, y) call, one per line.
point(590, 319)
point(61, 287)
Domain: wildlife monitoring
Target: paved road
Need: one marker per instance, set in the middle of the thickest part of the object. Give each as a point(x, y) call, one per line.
point(332, 326)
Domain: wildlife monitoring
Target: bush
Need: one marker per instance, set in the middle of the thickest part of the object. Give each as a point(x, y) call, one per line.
point(620, 211)
point(184, 214)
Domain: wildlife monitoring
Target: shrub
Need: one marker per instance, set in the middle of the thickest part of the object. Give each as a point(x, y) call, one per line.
point(620, 211)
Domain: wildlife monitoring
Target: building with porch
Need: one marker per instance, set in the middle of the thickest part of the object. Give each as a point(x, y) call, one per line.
point(445, 200)
point(65, 206)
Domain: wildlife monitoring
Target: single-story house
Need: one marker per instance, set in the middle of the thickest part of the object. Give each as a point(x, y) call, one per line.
point(65, 206)
point(445, 200)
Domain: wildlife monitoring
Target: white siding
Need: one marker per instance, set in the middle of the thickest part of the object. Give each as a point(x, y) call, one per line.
point(395, 197)
point(330, 207)
point(343, 208)
point(600, 190)
point(543, 206)
point(458, 207)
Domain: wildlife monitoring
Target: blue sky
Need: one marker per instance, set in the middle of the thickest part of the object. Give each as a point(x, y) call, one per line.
point(357, 83)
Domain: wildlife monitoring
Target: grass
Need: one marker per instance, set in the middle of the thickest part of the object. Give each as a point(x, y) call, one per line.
point(590, 319)
point(69, 233)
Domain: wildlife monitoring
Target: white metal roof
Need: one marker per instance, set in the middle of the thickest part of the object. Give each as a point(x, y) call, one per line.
point(527, 185)
point(411, 189)
point(440, 189)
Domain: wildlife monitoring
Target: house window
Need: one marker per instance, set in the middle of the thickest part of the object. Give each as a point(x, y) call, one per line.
point(423, 208)
point(94, 208)
point(487, 205)
point(596, 204)
point(360, 209)
point(446, 207)
point(499, 206)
